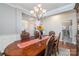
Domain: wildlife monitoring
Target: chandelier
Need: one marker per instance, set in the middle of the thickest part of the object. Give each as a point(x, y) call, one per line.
point(38, 12)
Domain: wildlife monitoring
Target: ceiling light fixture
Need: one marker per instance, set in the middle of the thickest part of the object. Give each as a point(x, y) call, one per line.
point(38, 11)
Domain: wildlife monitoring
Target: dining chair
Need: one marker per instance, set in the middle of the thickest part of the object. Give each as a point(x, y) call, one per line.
point(37, 35)
point(49, 46)
point(51, 32)
point(25, 36)
point(2, 53)
point(56, 47)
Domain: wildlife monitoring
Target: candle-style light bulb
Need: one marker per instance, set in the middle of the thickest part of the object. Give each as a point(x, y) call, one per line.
point(32, 12)
point(36, 9)
point(41, 9)
point(39, 5)
point(44, 11)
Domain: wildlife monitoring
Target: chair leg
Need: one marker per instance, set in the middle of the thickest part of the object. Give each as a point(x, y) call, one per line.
point(54, 52)
point(58, 50)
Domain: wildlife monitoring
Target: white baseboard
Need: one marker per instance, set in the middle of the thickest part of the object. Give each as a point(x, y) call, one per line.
point(7, 39)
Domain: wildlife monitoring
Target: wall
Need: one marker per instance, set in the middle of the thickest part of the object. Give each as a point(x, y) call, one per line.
point(55, 23)
point(10, 26)
point(7, 20)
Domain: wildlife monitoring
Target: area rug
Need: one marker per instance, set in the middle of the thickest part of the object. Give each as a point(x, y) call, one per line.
point(63, 52)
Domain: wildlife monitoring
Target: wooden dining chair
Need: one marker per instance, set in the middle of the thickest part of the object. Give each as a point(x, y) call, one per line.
point(56, 43)
point(25, 36)
point(51, 32)
point(2, 53)
point(37, 35)
point(49, 46)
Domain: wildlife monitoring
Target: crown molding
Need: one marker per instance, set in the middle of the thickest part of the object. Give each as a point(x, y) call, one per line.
point(48, 13)
point(20, 8)
point(60, 10)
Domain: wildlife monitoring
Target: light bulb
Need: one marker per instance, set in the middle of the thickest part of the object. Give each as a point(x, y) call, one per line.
point(39, 5)
point(36, 9)
point(31, 11)
point(41, 9)
point(44, 11)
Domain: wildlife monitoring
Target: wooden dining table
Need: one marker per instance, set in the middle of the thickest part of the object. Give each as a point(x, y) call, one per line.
point(27, 48)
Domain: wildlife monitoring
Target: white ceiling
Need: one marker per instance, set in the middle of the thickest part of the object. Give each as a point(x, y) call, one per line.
point(52, 8)
point(47, 6)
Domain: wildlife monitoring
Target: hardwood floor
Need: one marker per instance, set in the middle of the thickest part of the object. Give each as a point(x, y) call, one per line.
point(72, 48)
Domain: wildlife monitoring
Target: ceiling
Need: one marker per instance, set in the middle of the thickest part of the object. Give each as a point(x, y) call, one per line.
point(52, 8)
point(47, 6)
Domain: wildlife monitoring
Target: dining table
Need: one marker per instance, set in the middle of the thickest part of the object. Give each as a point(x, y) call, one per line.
point(27, 48)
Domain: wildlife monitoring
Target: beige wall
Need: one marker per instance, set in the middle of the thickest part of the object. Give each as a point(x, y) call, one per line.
point(55, 23)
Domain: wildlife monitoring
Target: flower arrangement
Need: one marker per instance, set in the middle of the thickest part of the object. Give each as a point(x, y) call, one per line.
point(40, 27)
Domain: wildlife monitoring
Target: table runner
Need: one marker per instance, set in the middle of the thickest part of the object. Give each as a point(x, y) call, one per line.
point(25, 44)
